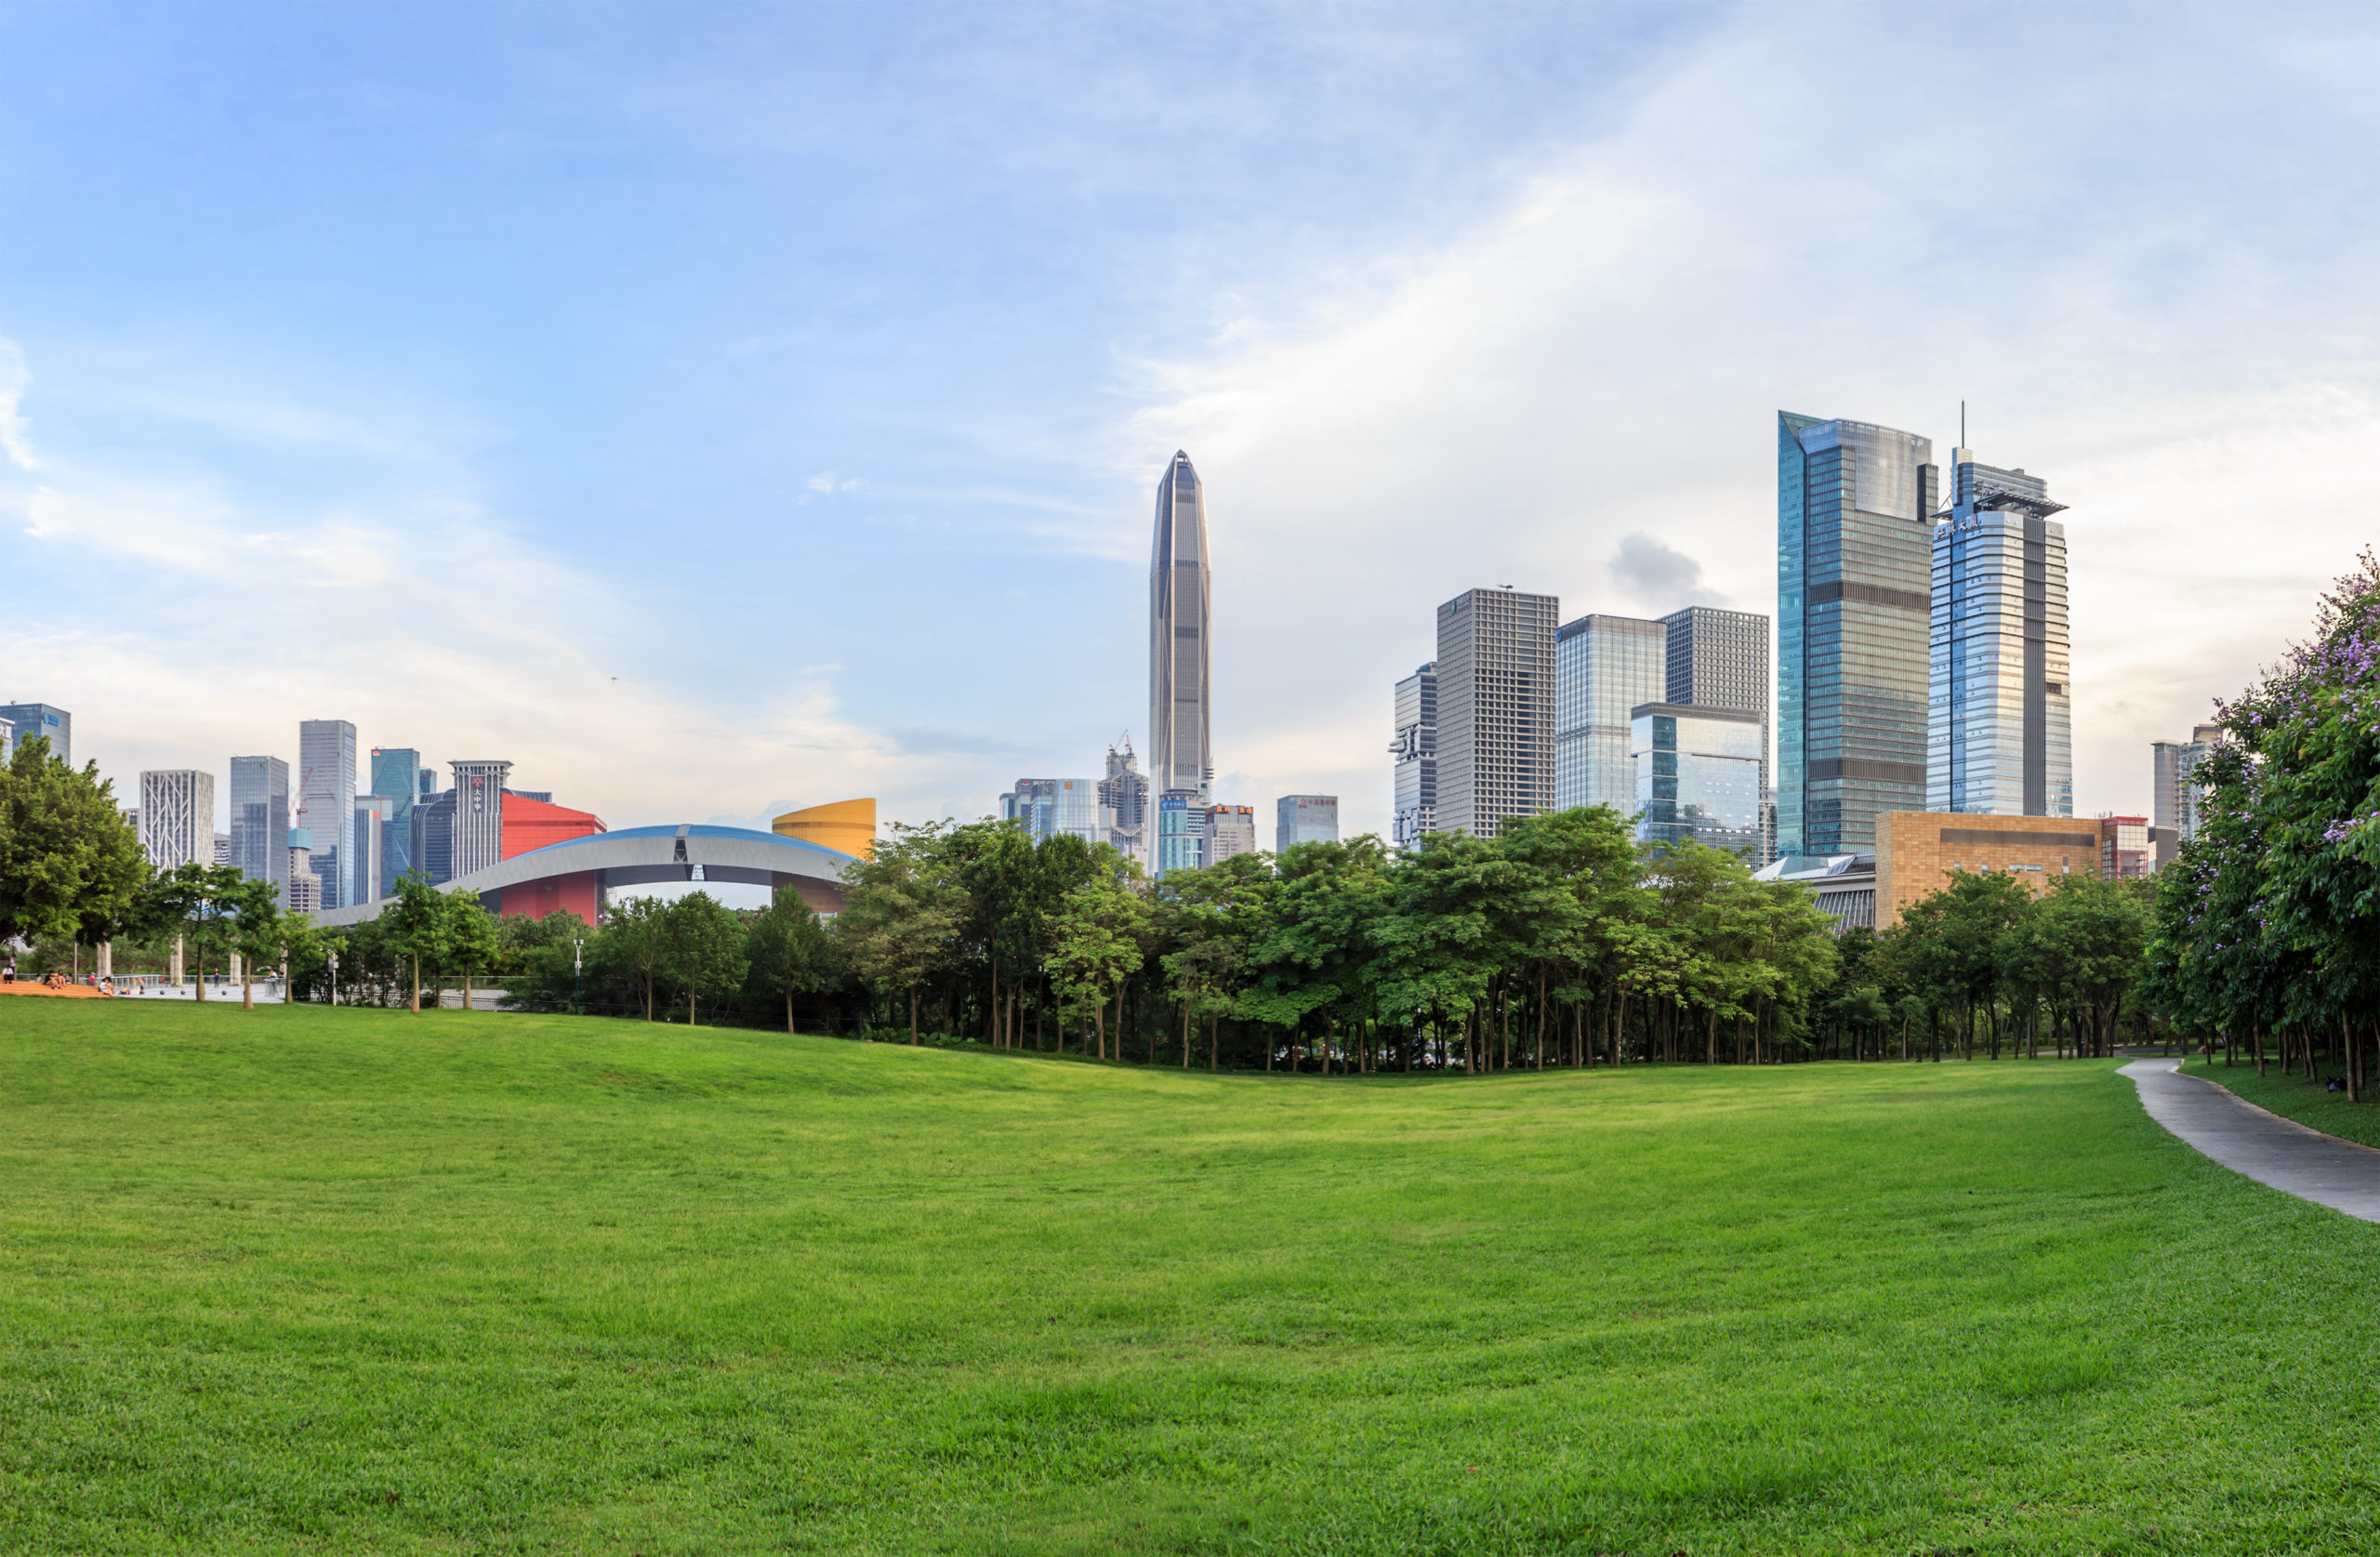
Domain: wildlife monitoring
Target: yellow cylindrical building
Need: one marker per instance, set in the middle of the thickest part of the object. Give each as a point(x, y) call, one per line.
point(846, 826)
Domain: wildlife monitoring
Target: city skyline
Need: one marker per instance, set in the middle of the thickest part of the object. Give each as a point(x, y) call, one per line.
point(1460, 320)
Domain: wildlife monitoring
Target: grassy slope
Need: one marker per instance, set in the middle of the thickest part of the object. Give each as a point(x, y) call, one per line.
point(349, 1281)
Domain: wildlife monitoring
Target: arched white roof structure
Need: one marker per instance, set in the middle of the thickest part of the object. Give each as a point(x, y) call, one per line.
point(643, 856)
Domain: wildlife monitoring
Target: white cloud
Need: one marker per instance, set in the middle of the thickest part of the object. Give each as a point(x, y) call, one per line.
point(1797, 218)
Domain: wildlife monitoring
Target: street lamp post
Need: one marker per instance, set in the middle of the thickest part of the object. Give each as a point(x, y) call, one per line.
point(577, 950)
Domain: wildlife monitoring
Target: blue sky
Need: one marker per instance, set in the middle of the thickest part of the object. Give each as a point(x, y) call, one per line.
point(716, 409)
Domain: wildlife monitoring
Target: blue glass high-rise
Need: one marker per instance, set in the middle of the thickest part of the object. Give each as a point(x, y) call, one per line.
point(1855, 533)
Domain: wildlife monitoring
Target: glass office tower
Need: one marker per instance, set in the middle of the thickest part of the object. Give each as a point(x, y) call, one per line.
point(1413, 782)
point(1495, 708)
point(1855, 540)
point(1304, 819)
point(398, 774)
point(2000, 728)
point(1719, 659)
point(1604, 668)
point(29, 719)
point(1697, 775)
point(1049, 807)
point(1180, 619)
point(326, 803)
point(261, 819)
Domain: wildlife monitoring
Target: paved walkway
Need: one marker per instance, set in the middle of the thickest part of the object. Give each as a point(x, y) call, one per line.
point(2266, 1147)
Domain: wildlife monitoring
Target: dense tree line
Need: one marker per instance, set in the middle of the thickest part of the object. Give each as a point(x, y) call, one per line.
point(2268, 923)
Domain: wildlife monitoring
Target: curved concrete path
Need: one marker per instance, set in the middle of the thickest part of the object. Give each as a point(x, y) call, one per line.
point(2271, 1150)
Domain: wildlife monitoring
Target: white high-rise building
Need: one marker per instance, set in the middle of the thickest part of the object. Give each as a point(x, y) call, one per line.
point(1496, 720)
point(178, 818)
point(326, 804)
point(1413, 782)
point(1181, 620)
point(1230, 830)
point(1999, 727)
point(479, 815)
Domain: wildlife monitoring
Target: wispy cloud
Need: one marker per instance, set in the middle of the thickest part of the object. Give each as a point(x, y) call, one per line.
point(16, 433)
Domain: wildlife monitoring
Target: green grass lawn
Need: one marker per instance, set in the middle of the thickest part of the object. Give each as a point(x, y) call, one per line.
point(342, 1281)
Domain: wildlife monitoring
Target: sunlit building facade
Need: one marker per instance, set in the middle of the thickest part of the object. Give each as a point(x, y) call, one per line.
point(1855, 507)
point(2000, 732)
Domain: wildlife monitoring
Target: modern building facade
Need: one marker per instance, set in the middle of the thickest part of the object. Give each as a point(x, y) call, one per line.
point(478, 825)
point(1180, 622)
point(1230, 830)
point(1605, 668)
point(1304, 819)
point(326, 801)
point(178, 818)
point(1124, 804)
point(1698, 776)
point(1413, 778)
point(396, 772)
point(1719, 659)
point(1855, 507)
point(1999, 723)
point(29, 719)
point(260, 804)
point(2124, 847)
point(1496, 722)
point(1917, 852)
point(1049, 807)
point(1181, 817)
point(2175, 792)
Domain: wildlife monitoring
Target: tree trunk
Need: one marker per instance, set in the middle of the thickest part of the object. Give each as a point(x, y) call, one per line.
point(913, 1016)
point(690, 1000)
point(247, 986)
point(1214, 1039)
point(1185, 1035)
point(416, 985)
point(788, 1011)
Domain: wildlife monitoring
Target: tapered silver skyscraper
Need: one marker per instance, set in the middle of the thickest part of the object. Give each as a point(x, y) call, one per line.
point(1180, 751)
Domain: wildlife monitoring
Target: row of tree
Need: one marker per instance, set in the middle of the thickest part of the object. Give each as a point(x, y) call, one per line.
point(2267, 927)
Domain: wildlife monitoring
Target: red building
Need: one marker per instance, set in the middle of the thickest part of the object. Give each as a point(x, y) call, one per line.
point(2123, 847)
point(529, 824)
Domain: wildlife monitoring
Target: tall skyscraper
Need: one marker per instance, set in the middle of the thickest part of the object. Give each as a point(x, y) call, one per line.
point(1124, 804)
point(1413, 782)
point(1180, 611)
point(2000, 729)
point(1304, 819)
point(396, 772)
point(1854, 532)
point(2175, 792)
point(1049, 807)
point(1495, 708)
point(479, 814)
point(1697, 775)
point(29, 719)
point(1604, 668)
point(326, 802)
point(261, 819)
point(178, 818)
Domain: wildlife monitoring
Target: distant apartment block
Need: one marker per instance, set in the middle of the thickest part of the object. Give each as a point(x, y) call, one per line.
point(2174, 794)
point(29, 719)
point(1496, 723)
point(1304, 819)
point(1230, 830)
point(178, 818)
point(1413, 779)
point(303, 891)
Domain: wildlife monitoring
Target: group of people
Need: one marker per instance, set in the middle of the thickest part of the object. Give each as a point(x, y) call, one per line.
point(103, 982)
